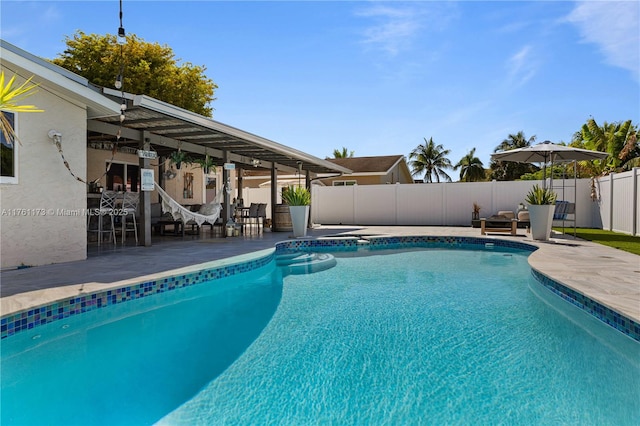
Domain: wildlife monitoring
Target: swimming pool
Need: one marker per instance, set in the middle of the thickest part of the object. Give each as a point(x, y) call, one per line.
point(368, 340)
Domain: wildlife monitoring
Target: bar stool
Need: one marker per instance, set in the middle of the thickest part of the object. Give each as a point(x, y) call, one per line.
point(107, 208)
point(129, 209)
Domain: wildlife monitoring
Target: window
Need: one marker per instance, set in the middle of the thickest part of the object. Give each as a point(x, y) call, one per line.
point(123, 177)
point(344, 182)
point(9, 153)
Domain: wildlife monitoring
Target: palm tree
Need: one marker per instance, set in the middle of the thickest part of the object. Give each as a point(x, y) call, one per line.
point(342, 154)
point(430, 159)
point(471, 168)
point(507, 170)
point(617, 139)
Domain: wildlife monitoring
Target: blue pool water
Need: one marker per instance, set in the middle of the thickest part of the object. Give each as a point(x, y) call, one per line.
point(409, 337)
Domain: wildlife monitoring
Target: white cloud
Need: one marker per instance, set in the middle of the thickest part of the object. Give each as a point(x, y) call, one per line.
point(522, 66)
point(613, 27)
point(394, 28)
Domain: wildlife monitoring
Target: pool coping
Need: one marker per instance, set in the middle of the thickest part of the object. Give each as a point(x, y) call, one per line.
point(25, 311)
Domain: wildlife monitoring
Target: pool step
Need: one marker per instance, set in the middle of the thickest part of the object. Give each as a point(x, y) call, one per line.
point(305, 263)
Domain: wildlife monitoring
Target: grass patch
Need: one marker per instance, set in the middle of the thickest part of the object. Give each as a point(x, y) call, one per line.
point(624, 242)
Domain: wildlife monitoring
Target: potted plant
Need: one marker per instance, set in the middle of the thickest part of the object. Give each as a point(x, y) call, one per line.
point(205, 164)
point(541, 207)
point(178, 157)
point(475, 215)
point(298, 199)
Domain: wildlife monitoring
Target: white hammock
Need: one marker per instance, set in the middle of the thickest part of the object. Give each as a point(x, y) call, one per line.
point(179, 212)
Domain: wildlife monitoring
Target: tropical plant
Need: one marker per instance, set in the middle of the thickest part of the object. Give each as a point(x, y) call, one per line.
point(508, 170)
point(561, 170)
point(475, 214)
point(180, 157)
point(10, 98)
point(540, 196)
point(619, 140)
point(342, 154)
point(430, 159)
point(471, 168)
point(146, 68)
point(296, 196)
point(206, 163)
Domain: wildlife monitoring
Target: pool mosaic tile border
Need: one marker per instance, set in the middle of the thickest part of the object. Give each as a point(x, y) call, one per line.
point(31, 318)
point(320, 244)
point(608, 316)
point(447, 241)
point(383, 242)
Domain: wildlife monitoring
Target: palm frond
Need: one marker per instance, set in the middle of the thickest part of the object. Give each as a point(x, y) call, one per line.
point(10, 97)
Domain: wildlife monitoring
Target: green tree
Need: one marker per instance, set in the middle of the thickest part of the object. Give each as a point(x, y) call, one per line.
point(146, 69)
point(430, 159)
point(471, 168)
point(342, 154)
point(619, 140)
point(509, 170)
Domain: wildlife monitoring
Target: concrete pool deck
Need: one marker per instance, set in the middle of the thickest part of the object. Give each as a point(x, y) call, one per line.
point(606, 275)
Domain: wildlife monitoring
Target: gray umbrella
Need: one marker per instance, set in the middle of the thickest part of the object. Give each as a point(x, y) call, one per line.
point(547, 152)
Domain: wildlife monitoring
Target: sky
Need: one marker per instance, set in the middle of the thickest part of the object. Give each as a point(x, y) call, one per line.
point(380, 77)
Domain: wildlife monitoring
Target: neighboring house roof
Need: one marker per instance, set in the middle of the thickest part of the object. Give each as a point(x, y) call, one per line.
point(378, 165)
point(57, 79)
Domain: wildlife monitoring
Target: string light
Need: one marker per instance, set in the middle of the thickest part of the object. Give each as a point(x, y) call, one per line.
point(122, 37)
point(122, 40)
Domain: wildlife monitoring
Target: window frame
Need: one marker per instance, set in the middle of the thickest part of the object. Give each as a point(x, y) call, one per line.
point(13, 180)
point(344, 183)
point(125, 177)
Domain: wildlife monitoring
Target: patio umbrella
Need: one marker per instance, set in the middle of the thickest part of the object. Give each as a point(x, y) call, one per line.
point(547, 152)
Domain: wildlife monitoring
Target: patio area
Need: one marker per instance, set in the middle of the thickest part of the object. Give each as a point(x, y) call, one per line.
point(604, 274)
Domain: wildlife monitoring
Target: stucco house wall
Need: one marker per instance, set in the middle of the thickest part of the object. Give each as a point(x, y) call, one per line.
point(43, 219)
point(43, 208)
point(175, 187)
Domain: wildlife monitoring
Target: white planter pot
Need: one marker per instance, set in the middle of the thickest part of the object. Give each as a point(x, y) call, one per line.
point(541, 218)
point(299, 220)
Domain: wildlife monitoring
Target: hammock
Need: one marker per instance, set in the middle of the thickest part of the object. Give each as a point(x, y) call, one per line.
point(209, 213)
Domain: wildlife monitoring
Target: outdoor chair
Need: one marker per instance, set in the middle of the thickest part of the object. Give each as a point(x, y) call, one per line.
point(106, 209)
point(564, 212)
point(256, 215)
point(129, 209)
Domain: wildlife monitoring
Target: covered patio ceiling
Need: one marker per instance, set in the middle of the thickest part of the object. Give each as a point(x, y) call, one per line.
point(167, 128)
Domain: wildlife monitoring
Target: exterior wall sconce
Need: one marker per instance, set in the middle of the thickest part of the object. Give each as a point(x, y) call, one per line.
point(55, 135)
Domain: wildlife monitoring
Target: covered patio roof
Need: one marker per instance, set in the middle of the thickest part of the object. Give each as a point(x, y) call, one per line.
point(167, 128)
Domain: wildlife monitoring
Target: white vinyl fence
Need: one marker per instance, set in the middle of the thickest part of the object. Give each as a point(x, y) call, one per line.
point(618, 202)
point(434, 204)
point(450, 204)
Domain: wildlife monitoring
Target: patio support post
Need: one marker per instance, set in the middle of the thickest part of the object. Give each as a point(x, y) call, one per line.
point(161, 179)
point(144, 206)
point(239, 171)
point(274, 195)
point(307, 184)
point(226, 179)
